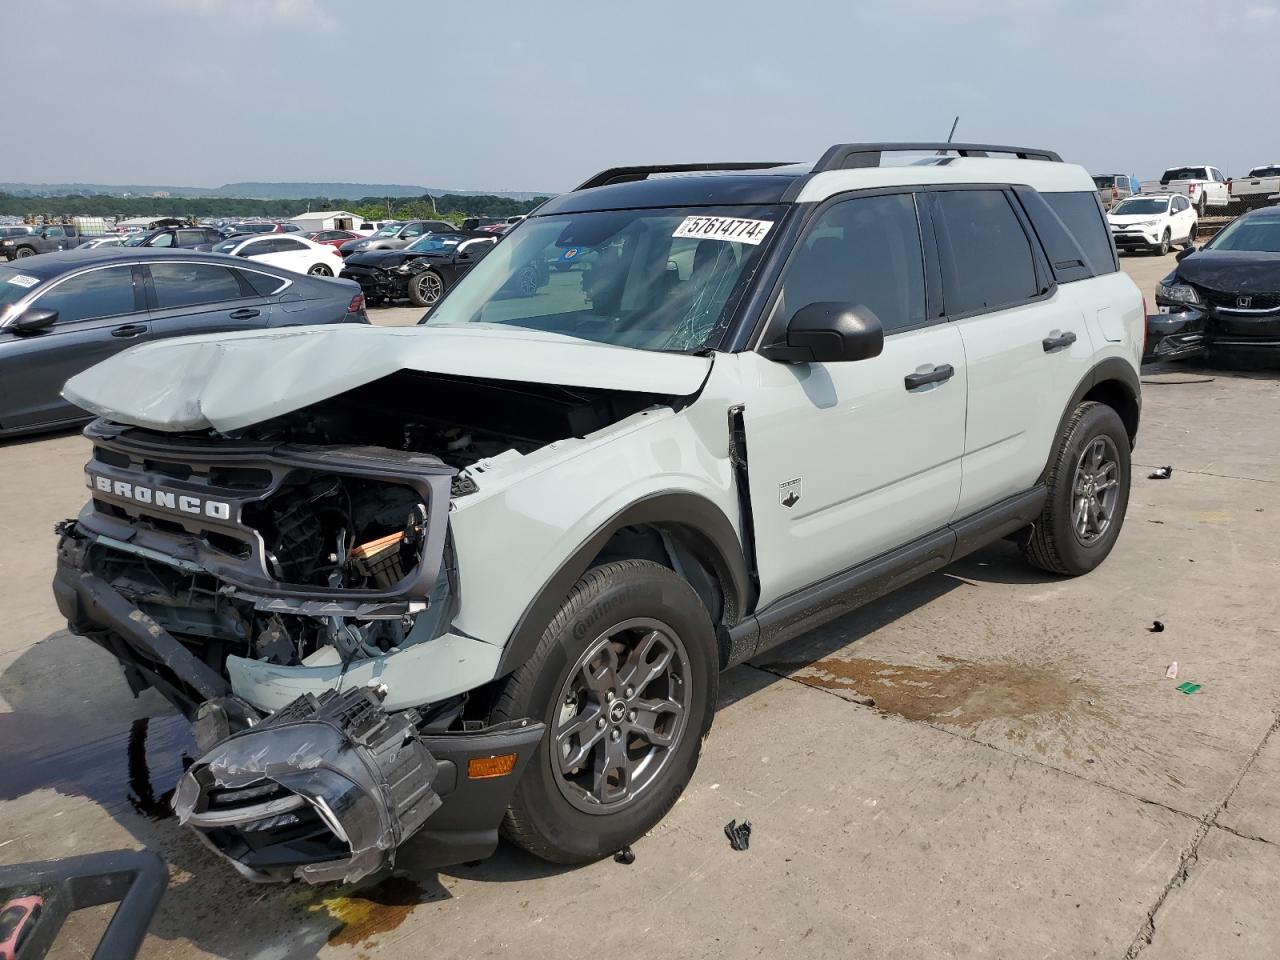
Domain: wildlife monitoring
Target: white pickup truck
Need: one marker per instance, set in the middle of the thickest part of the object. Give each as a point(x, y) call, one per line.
point(1260, 187)
point(1204, 186)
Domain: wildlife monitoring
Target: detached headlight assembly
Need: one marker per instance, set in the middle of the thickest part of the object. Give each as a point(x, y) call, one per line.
point(1177, 292)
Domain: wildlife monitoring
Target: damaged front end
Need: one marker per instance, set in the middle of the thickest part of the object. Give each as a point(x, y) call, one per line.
point(294, 602)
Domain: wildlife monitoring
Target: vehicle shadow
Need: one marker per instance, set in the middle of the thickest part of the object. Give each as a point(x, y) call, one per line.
point(30, 438)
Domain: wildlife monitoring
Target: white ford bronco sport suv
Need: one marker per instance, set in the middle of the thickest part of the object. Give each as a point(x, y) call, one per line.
point(483, 573)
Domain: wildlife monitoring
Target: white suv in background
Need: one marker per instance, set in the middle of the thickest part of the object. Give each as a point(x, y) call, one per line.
point(484, 573)
point(1153, 222)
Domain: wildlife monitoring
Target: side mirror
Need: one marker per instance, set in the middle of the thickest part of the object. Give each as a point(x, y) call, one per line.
point(1184, 253)
point(829, 333)
point(34, 319)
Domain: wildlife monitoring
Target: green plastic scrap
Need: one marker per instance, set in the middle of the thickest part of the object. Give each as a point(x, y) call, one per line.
point(1188, 687)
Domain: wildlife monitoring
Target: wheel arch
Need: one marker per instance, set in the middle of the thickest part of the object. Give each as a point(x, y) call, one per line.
point(676, 529)
point(1113, 382)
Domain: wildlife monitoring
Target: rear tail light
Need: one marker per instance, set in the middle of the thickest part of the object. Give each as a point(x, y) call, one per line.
point(357, 304)
point(1191, 188)
point(1230, 191)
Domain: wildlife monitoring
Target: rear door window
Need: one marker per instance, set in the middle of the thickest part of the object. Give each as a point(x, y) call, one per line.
point(189, 238)
point(1082, 217)
point(287, 245)
point(989, 264)
point(192, 284)
point(88, 296)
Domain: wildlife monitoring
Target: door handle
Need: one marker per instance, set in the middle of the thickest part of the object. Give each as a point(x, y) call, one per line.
point(1051, 343)
point(245, 314)
point(939, 374)
point(129, 330)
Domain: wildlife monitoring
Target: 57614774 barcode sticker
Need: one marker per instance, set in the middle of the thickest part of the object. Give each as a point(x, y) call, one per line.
point(733, 229)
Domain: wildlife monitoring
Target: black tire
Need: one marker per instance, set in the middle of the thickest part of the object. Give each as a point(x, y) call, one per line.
point(421, 287)
point(23, 252)
point(320, 270)
point(1163, 249)
point(1200, 204)
point(1191, 236)
point(1054, 544)
point(542, 818)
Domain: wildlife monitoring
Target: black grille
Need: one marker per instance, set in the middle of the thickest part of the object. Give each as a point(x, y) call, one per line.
point(1229, 301)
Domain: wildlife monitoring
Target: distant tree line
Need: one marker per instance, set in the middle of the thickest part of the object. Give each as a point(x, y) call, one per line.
point(455, 206)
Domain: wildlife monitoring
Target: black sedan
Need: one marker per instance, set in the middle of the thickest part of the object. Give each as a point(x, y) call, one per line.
point(60, 313)
point(1223, 300)
point(186, 238)
point(422, 271)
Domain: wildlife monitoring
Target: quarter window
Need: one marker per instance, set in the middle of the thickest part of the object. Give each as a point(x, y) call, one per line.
point(98, 293)
point(864, 251)
point(1080, 213)
point(191, 284)
point(990, 264)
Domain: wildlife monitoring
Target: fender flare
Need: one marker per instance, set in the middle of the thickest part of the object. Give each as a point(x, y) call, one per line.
point(712, 539)
point(1115, 369)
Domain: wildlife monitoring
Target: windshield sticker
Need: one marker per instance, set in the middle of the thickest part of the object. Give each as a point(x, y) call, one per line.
point(732, 229)
point(23, 280)
point(570, 254)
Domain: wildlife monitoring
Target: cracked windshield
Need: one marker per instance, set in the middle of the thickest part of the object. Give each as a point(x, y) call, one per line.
point(651, 279)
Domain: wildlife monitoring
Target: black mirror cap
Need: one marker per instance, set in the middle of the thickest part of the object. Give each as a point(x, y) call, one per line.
point(1184, 253)
point(34, 319)
point(830, 332)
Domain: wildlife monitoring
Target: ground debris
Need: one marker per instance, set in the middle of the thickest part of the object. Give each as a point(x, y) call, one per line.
point(1160, 473)
point(625, 856)
point(739, 834)
point(1156, 627)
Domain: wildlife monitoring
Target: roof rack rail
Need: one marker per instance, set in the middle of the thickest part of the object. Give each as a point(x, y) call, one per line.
point(846, 156)
point(629, 174)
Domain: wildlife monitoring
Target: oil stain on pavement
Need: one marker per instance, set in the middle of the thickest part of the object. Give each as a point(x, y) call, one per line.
point(366, 913)
point(957, 692)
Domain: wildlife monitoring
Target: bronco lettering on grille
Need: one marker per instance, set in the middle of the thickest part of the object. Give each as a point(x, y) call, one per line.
point(167, 499)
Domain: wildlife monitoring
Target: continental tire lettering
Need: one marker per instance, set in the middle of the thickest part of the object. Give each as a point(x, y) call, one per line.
point(606, 608)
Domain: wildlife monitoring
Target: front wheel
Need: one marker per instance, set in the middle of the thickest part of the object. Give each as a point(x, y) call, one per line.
point(1088, 493)
point(625, 679)
point(1163, 249)
point(426, 289)
point(23, 252)
point(320, 270)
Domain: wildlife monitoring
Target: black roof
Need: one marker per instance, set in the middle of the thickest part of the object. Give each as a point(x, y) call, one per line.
point(718, 189)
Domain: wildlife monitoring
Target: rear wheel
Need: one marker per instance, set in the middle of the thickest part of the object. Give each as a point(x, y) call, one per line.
point(625, 679)
point(426, 288)
point(1088, 493)
point(320, 270)
point(1200, 206)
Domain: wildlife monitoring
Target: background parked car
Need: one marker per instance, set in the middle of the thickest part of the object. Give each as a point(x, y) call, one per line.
point(1259, 188)
point(333, 238)
point(11, 232)
point(185, 238)
point(95, 243)
point(394, 236)
point(46, 239)
point(1224, 298)
point(63, 312)
point(1114, 187)
point(1153, 222)
point(422, 271)
point(289, 253)
point(1204, 186)
point(261, 227)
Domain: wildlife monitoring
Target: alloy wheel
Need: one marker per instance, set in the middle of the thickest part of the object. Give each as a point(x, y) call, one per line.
point(1095, 490)
point(430, 287)
point(620, 716)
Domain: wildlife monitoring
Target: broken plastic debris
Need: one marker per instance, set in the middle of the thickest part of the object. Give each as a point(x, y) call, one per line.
point(739, 834)
point(1172, 672)
point(1188, 687)
point(1160, 473)
point(863, 699)
point(1156, 627)
point(625, 855)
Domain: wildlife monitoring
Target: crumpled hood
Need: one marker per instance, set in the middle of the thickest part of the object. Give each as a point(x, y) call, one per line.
point(1232, 271)
point(230, 381)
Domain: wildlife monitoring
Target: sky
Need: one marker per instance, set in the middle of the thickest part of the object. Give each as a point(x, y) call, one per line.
point(520, 95)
